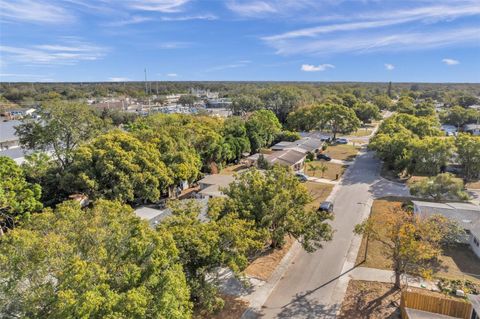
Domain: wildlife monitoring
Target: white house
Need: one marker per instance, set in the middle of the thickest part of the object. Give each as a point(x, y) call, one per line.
point(467, 215)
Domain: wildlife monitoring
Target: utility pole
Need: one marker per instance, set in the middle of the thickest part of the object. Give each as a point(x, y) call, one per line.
point(146, 86)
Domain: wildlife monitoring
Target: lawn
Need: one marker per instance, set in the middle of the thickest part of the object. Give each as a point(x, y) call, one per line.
point(331, 172)
point(457, 262)
point(362, 132)
point(319, 193)
point(342, 152)
point(229, 170)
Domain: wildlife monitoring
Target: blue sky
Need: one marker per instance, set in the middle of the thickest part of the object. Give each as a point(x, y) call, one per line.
point(301, 40)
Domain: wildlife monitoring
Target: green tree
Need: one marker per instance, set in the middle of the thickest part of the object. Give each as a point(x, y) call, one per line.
point(17, 196)
point(102, 262)
point(242, 104)
point(262, 127)
point(118, 166)
point(63, 127)
point(405, 105)
point(460, 116)
point(468, 149)
point(429, 155)
point(466, 100)
point(383, 102)
point(366, 112)
point(283, 100)
point(275, 201)
point(411, 242)
point(338, 118)
point(441, 187)
point(187, 100)
point(205, 246)
point(235, 134)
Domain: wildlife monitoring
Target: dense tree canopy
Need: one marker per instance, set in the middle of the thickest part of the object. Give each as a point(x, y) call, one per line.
point(204, 246)
point(102, 262)
point(275, 201)
point(262, 127)
point(63, 126)
point(118, 166)
point(17, 196)
point(468, 150)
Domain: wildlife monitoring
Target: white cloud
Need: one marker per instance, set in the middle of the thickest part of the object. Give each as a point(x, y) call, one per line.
point(362, 43)
point(33, 11)
point(316, 68)
point(166, 6)
point(129, 21)
point(172, 75)
point(70, 51)
point(251, 8)
point(190, 17)
point(118, 79)
point(389, 66)
point(175, 45)
point(450, 61)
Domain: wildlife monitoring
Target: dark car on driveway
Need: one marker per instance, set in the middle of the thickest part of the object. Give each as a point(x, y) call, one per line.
point(326, 207)
point(301, 177)
point(324, 157)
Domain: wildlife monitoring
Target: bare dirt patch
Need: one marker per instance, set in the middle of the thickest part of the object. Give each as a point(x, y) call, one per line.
point(375, 300)
point(233, 309)
point(263, 267)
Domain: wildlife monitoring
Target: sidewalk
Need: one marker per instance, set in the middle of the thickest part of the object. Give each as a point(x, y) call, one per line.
point(388, 276)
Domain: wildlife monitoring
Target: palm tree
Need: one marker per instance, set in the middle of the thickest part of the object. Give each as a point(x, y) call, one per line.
point(312, 168)
point(323, 168)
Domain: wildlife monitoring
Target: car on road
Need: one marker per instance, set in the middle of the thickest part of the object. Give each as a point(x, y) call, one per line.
point(301, 177)
point(324, 157)
point(341, 141)
point(326, 207)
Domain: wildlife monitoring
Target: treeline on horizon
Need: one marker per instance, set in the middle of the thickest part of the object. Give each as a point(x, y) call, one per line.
point(30, 93)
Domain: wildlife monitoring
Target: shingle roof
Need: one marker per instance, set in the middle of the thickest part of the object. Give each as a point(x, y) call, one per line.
point(309, 144)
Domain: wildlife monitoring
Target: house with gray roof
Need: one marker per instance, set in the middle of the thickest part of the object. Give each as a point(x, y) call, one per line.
point(211, 185)
point(292, 157)
point(467, 215)
point(473, 129)
point(308, 144)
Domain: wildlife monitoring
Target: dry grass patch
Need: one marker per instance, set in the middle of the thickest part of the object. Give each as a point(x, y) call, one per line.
point(342, 152)
point(233, 309)
point(263, 267)
point(375, 300)
point(319, 193)
point(229, 170)
point(332, 170)
point(473, 185)
point(362, 132)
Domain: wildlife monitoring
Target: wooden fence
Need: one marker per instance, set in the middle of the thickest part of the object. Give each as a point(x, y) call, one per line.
point(444, 306)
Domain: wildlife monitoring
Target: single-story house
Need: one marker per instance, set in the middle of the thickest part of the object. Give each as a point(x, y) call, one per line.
point(293, 158)
point(473, 129)
point(309, 144)
point(467, 215)
point(19, 113)
point(155, 216)
point(210, 185)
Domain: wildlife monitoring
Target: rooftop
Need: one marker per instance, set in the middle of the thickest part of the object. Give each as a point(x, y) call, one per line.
point(466, 214)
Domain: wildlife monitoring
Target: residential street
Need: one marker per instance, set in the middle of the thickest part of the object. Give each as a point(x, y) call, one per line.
point(309, 288)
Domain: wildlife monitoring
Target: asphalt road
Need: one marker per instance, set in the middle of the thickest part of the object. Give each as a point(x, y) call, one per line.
point(306, 289)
